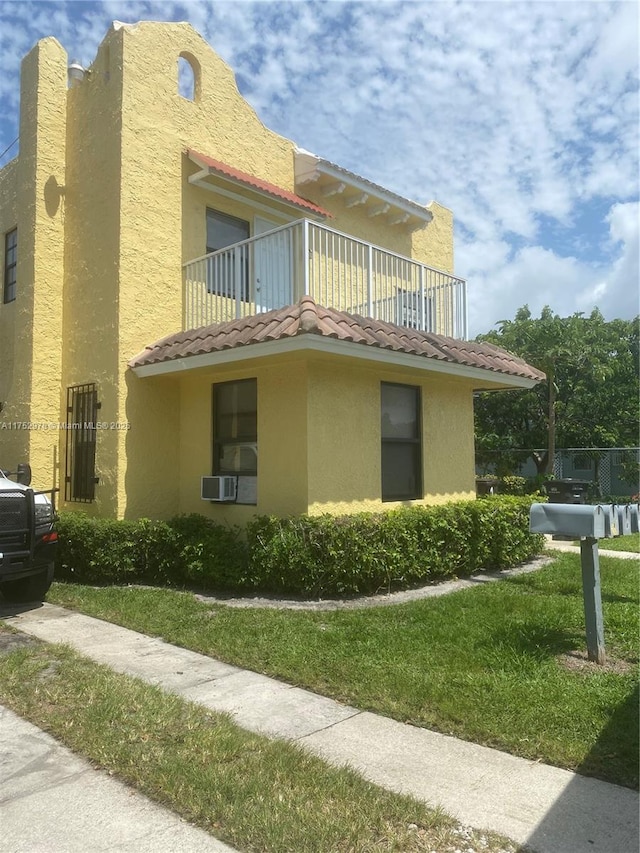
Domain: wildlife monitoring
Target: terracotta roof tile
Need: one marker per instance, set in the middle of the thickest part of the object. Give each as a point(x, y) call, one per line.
point(227, 171)
point(307, 318)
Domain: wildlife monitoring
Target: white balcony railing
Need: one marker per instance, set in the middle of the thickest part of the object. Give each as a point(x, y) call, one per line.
point(277, 268)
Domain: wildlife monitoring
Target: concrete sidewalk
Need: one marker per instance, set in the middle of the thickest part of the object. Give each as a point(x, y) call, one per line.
point(552, 810)
point(559, 545)
point(52, 801)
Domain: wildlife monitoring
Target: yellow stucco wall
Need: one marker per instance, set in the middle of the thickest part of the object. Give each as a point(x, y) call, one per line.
point(14, 395)
point(106, 218)
point(432, 244)
point(319, 439)
point(345, 438)
point(92, 258)
point(282, 437)
point(157, 126)
point(31, 374)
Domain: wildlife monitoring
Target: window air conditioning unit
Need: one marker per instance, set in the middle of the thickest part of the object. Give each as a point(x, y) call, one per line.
point(220, 489)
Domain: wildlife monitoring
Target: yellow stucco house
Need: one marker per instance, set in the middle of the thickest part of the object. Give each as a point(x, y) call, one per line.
point(186, 294)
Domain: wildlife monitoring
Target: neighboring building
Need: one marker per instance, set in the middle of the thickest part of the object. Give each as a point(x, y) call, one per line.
point(612, 470)
point(292, 360)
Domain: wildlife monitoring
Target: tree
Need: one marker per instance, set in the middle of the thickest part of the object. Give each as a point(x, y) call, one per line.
point(589, 399)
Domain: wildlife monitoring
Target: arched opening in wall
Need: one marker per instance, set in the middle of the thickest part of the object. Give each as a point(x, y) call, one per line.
point(188, 77)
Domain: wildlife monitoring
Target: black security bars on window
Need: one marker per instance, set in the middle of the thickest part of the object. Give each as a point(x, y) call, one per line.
point(81, 428)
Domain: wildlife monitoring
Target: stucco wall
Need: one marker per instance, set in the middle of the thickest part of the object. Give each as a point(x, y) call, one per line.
point(157, 126)
point(92, 246)
point(106, 218)
point(319, 440)
point(31, 326)
point(432, 244)
point(282, 438)
point(13, 443)
point(345, 438)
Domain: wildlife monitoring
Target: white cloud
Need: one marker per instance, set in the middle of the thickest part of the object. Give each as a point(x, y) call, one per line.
point(501, 282)
point(513, 114)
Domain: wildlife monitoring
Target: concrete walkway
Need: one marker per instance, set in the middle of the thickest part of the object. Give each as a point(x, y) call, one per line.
point(552, 810)
point(558, 545)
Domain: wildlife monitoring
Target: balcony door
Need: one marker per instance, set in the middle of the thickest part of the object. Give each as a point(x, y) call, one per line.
point(228, 272)
point(273, 266)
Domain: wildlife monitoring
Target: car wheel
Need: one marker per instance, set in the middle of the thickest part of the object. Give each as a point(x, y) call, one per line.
point(33, 588)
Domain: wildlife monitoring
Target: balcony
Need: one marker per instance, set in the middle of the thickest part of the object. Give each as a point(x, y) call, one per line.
point(277, 268)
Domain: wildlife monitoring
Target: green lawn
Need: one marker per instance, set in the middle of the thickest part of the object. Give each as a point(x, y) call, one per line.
point(622, 543)
point(482, 664)
point(255, 793)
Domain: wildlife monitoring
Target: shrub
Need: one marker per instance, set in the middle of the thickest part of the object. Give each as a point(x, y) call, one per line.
point(208, 554)
point(617, 499)
point(95, 549)
point(365, 553)
point(302, 555)
point(187, 548)
point(508, 485)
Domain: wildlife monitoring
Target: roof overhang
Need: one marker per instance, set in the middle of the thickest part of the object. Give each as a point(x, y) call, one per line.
point(213, 175)
point(353, 191)
point(485, 379)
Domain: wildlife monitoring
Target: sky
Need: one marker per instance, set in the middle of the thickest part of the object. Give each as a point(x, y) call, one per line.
point(522, 117)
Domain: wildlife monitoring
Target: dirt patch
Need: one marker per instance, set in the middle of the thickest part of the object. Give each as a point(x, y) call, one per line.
point(9, 641)
point(578, 661)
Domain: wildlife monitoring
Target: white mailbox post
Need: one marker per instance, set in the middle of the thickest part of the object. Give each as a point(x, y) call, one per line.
point(587, 523)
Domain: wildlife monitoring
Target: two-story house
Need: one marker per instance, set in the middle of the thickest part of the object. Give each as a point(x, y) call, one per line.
point(187, 293)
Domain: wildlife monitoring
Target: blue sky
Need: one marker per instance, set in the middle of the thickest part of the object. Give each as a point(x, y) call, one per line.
point(521, 117)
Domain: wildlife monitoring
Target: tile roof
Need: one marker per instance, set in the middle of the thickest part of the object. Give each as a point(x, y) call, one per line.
point(226, 171)
point(307, 318)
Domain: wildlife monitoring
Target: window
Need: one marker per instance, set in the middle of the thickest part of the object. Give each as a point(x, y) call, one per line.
point(227, 273)
point(235, 428)
point(188, 76)
point(401, 442)
point(10, 264)
point(82, 415)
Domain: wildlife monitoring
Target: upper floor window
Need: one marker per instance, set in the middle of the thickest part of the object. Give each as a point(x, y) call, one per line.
point(10, 264)
point(224, 230)
point(401, 431)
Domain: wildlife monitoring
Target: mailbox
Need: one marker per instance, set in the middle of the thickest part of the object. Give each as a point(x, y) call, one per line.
point(576, 520)
point(610, 521)
point(624, 519)
point(634, 518)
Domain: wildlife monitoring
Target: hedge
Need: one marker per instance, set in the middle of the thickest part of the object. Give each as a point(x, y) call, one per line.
point(365, 553)
point(187, 549)
point(302, 555)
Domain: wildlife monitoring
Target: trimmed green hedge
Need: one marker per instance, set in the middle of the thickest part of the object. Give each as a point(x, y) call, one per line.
point(366, 553)
point(187, 549)
point(302, 555)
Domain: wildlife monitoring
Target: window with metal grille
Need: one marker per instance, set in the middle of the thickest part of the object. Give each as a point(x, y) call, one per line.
point(82, 416)
point(10, 264)
point(401, 431)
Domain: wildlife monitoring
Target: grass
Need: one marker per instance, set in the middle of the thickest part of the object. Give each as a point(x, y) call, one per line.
point(629, 543)
point(488, 664)
point(256, 794)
